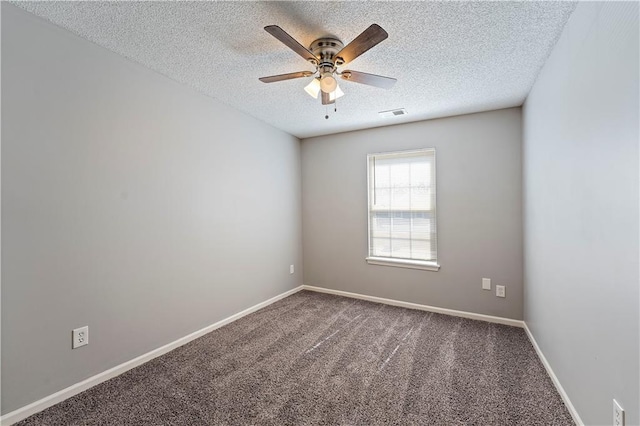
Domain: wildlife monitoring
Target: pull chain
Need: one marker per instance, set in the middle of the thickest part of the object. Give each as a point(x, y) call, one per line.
point(326, 109)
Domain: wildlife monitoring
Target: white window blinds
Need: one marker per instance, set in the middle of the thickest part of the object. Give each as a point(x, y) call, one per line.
point(402, 205)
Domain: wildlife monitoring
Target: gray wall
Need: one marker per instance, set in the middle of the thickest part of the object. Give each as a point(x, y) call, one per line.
point(479, 204)
point(130, 204)
point(581, 210)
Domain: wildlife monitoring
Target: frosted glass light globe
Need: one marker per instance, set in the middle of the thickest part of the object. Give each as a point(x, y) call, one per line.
point(328, 83)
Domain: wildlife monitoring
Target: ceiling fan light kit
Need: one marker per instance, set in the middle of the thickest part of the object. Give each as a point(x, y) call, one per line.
point(327, 54)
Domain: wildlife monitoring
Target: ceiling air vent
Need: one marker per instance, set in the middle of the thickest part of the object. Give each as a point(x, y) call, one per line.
point(393, 112)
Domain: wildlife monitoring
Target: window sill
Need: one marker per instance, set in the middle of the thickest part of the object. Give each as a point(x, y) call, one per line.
point(403, 263)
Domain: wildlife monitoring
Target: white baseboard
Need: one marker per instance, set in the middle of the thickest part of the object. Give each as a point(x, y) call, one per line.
point(554, 378)
point(46, 402)
point(452, 312)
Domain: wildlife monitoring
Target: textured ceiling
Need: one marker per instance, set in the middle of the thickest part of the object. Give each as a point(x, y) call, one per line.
point(449, 57)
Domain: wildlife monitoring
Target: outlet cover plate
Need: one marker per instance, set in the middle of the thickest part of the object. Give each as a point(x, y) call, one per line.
point(291, 269)
point(80, 337)
point(500, 291)
point(486, 283)
point(618, 414)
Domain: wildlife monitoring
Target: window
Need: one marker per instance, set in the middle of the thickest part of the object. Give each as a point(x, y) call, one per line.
point(402, 209)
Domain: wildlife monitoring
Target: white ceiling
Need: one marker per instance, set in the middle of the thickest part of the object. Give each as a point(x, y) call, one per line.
point(449, 57)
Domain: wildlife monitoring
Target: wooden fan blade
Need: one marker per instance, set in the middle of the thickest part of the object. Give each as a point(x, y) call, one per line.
point(370, 79)
point(290, 42)
point(325, 98)
point(365, 41)
point(280, 77)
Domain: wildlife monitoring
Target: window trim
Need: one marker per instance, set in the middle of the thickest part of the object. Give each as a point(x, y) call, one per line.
point(424, 265)
point(403, 263)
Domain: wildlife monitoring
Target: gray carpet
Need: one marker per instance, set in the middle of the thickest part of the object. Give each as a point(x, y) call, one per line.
point(319, 359)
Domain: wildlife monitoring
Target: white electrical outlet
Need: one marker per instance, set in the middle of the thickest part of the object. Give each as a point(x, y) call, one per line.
point(618, 414)
point(486, 283)
point(291, 269)
point(500, 291)
point(80, 337)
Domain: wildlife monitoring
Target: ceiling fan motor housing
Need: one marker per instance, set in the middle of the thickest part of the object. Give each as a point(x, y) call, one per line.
point(326, 49)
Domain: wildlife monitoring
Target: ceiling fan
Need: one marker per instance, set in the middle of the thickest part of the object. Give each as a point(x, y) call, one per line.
point(327, 54)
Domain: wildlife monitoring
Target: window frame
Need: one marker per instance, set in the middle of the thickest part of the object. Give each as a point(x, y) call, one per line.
point(426, 265)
